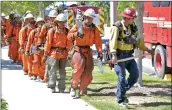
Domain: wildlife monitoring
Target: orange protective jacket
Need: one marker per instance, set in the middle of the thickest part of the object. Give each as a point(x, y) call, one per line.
point(91, 36)
point(9, 30)
point(57, 44)
point(13, 31)
point(3, 27)
point(33, 38)
point(43, 33)
point(23, 36)
point(16, 31)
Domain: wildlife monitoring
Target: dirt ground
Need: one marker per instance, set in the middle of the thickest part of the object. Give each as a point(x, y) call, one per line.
point(141, 96)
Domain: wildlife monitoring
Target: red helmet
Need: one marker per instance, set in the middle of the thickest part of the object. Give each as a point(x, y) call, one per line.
point(129, 13)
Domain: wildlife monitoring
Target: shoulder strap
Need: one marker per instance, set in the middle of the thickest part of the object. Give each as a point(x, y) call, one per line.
point(54, 29)
point(133, 28)
point(67, 30)
point(34, 31)
point(26, 29)
point(47, 25)
point(118, 24)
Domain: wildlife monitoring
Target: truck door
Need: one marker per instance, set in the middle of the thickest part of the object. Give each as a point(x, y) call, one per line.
point(164, 30)
point(155, 17)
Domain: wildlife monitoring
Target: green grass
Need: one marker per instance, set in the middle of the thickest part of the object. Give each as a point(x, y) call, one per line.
point(4, 104)
point(107, 82)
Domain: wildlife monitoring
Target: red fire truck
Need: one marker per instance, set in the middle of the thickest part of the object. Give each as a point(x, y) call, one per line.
point(158, 34)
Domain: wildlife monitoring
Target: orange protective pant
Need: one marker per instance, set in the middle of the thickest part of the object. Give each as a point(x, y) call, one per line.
point(13, 49)
point(30, 65)
point(38, 65)
point(83, 67)
point(25, 62)
point(19, 55)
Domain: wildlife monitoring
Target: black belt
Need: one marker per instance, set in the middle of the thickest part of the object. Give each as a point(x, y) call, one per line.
point(60, 48)
point(124, 51)
point(83, 46)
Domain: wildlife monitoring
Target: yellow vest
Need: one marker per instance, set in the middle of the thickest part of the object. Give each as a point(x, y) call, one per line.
point(119, 44)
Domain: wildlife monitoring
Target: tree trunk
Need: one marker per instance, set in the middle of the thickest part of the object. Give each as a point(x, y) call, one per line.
point(41, 9)
point(139, 23)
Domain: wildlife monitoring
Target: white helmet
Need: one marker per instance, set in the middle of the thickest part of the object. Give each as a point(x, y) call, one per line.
point(29, 15)
point(27, 12)
point(39, 19)
point(61, 17)
point(53, 13)
point(89, 12)
point(7, 17)
point(2, 14)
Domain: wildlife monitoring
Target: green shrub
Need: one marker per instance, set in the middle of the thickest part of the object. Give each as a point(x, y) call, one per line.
point(4, 104)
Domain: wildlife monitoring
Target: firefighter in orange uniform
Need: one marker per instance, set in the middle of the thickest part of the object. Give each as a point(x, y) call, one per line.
point(57, 46)
point(23, 38)
point(38, 67)
point(16, 28)
point(82, 59)
point(10, 36)
point(13, 33)
point(43, 34)
point(3, 29)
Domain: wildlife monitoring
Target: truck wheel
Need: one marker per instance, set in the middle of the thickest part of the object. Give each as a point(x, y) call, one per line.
point(160, 61)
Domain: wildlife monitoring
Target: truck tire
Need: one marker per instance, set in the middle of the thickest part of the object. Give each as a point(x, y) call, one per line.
point(160, 61)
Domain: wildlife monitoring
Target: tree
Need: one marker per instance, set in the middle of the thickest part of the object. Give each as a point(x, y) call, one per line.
point(122, 5)
point(22, 7)
point(139, 23)
point(105, 5)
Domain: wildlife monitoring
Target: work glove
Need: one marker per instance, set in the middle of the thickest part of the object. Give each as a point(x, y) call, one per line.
point(69, 57)
point(151, 52)
point(38, 45)
point(21, 50)
point(44, 59)
point(100, 55)
point(114, 58)
point(8, 42)
point(27, 54)
point(80, 35)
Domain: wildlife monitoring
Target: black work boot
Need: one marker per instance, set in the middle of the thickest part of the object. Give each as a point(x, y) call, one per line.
point(53, 90)
point(77, 93)
point(34, 77)
point(14, 61)
point(72, 92)
point(25, 73)
point(83, 93)
point(48, 86)
point(126, 99)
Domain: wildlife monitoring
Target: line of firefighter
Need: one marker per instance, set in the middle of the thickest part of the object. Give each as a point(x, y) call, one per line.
point(44, 49)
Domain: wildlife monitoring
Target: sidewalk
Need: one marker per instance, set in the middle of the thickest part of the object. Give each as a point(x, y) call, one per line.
point(23, 94)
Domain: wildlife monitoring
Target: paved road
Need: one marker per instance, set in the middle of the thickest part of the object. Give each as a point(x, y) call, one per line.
point(24, 94)
point(147, 66)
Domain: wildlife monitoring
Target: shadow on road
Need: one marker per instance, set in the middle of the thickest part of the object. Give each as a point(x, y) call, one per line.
point(6, 65)
point(98, 90)
point(155, 104)
point(102, 94)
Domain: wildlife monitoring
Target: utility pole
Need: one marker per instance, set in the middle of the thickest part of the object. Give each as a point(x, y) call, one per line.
point(113, 12)
point(139, 23)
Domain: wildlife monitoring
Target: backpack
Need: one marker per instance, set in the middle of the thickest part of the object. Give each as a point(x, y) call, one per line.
point(66, 29)
point(129, 39)
point(133, 27)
